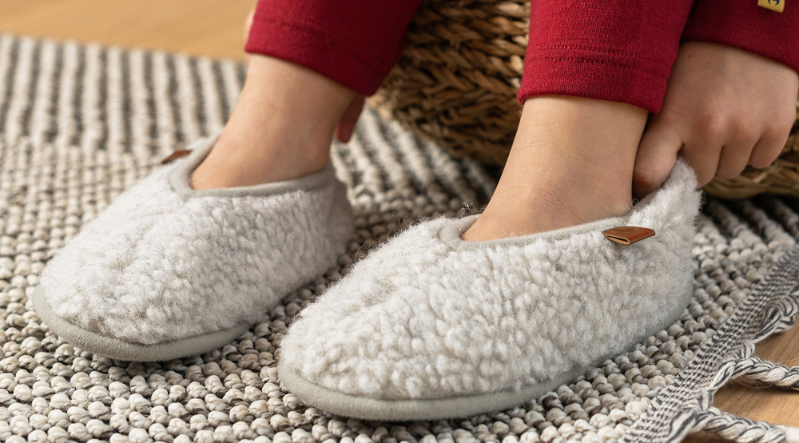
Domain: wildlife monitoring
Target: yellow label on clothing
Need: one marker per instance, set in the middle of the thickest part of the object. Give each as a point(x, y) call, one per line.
point(774, 5)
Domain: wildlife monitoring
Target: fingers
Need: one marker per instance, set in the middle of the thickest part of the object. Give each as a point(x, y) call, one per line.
point(719, 147)
point(655, 158)
point(768, 148)
point(709, 157)
point(738, 137)
point(718, 141)
point(721, 114)
point(704, 159)
point(346, 125)
point(733, 159)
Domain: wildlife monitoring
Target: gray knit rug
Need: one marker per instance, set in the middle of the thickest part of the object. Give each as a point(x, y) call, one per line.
point(80, 123)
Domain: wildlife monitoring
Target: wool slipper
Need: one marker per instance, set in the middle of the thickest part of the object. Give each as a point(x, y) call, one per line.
point(430, 326)
point(168, 271)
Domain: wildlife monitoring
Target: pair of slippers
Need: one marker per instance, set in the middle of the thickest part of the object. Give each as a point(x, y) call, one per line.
point(427, 326)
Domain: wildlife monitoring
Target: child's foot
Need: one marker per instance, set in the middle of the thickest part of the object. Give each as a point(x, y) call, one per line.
point(571, 163)
point(430, 326)
point(169, 271)
point(173, 268)
point(434, 326)
point(281, 129)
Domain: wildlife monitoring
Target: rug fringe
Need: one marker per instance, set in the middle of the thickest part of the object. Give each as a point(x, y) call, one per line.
point(686, 406)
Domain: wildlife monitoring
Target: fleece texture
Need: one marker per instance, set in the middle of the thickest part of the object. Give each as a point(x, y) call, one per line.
point(165, 262)
point(429, 315)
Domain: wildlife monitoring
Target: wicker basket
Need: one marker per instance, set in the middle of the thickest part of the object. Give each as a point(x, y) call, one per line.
point(456, 83)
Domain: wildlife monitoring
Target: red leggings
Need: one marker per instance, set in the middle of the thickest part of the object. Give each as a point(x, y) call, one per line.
point(618, 50)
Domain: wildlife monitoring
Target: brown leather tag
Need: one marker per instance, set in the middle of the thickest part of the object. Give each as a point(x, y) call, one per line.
point(176, 155)
point(627, 235)
point(774, 5)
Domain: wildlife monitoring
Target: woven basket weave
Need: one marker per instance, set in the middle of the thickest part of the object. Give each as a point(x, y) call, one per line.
point(456, 83)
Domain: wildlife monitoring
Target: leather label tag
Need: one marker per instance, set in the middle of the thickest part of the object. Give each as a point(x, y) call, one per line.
point(774, 5)
point(627, 235)
point(176, 155)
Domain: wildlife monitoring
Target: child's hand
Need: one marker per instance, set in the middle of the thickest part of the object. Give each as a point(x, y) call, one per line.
point(724, 108)
point(346, 126)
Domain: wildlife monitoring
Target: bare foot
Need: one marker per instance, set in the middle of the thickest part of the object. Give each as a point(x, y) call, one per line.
point(571, 163)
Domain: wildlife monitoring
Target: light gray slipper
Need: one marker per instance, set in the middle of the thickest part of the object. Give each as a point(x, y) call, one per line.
point(430, 326)
point(167, 271)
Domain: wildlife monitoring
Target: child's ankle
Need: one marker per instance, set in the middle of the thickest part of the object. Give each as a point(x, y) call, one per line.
point(571, 163)
point(281, 129)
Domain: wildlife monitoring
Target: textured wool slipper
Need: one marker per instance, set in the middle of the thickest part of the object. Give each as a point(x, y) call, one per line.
point(167, 271)
point(430, 326)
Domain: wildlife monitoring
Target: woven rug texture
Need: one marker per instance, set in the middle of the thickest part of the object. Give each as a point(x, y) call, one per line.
point(79, 124)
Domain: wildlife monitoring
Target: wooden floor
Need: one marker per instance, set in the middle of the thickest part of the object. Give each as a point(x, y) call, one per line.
point(775, 406)
point(214, 28)
point(201, 27)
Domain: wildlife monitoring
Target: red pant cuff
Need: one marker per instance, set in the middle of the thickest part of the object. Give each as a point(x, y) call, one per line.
point(302, 44)
point(573, 72)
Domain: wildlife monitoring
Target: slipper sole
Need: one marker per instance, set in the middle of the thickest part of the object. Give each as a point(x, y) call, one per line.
point(369, 408)
point(123, 350)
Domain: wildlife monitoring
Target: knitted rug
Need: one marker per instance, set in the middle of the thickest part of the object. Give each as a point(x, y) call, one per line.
point(81, 123)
